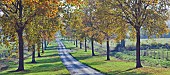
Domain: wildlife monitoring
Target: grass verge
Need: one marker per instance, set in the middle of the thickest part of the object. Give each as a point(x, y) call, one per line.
point(48, 64)
point(114, 66)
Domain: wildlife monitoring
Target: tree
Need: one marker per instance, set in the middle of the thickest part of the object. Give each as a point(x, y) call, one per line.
point(33, 54)
point(19, 12)
point(89, 30)
point(149, 15)
point(107, 24)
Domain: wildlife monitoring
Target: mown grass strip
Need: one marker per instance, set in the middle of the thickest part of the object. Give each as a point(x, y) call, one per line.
point(48, 64)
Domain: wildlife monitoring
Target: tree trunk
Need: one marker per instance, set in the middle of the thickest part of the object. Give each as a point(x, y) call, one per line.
point(42, 46)
point(39, 53)
point(76, 43)
point(33, 54)
point(21, 52)
point(80, 45)
point(138, 62)
point(85, 45)
point(123, 43)
point(20, 38)
point(108, 49)
point(45, 44)
point(92, 46)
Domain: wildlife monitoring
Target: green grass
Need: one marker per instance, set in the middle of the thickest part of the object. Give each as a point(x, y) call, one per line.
point(48, 64)
point(146, 60)
point(69, 45)
point(114, 66)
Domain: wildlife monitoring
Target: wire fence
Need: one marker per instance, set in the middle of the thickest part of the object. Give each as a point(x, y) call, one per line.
point(160, 53)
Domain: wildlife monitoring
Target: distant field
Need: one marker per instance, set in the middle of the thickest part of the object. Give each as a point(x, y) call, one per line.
point(148, 41)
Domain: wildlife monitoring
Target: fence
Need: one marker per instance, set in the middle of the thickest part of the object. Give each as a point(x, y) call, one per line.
point(162, 53)
point(4, 54)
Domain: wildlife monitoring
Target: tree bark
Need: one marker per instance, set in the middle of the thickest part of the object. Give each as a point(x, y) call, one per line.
point(42, 46)
point(33, 54)
point(80, 45)
point(76, 43)
point(92, 46)
point(45, 44)
point(39, 53)
point(108, 49)
point(21, 51)
point(85, 45)
point(123, 43)
point(20, 38)
point(138, 62)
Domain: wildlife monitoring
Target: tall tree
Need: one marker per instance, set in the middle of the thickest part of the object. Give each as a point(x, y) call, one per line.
point(21, 12)
point(106, 24)
point(33, 54)
point(149, 15)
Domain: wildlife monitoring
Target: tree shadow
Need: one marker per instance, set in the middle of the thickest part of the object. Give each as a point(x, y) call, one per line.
point(126, 72)
point(50, 55)
point(42, 65)
point(14, 72)
point(48, 60)
point(51, 47)
point(51, 60)
point(81, 58)
point(40, 68)
point(70, 48)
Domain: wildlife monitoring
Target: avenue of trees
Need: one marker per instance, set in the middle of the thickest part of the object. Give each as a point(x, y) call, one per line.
point(29, 22)
point(103, 20)
point(33, 22)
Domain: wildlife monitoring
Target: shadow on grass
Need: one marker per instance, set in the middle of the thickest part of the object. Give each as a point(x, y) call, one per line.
point(124, 73)
point(49, 64)
point(14, 72)
point(114, 72)
point(41, 68)
point(46, 67)
point(51, 55)
point(80, 57)
point(52, 47)
point(48, 60)
point(70, 47)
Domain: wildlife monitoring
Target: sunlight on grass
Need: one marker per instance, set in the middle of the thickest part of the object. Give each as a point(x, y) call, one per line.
point(48, 64)
point(115, 66)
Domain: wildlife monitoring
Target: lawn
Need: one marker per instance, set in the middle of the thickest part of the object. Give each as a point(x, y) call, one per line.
point(48, 64)
point(115, 66)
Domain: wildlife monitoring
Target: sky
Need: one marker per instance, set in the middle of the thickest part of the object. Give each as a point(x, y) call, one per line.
point(168, 23)
point(1, 13)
